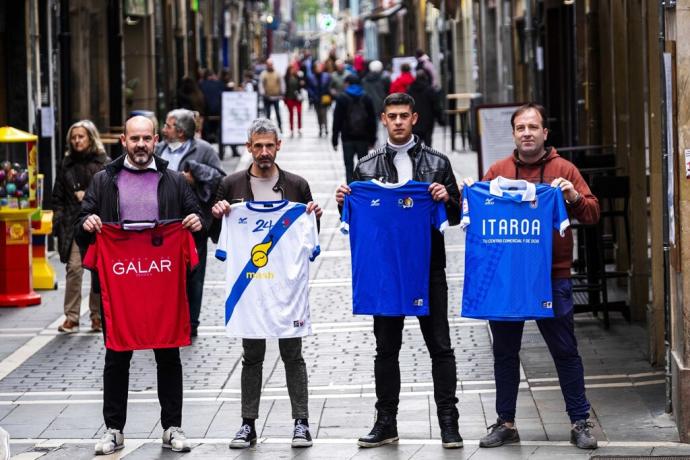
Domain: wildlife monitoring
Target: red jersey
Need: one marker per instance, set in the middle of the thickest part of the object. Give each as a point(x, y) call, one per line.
point(143, 277)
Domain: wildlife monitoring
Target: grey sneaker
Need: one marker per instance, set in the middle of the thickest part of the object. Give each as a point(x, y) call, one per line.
point(174, 438)
point(581, 437)
point(4, 445)
point(111, 441)
point(499, 434)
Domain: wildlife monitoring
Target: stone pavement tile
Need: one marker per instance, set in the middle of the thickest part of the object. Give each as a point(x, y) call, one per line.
point(436, 451)
point(271, 451)
point(143, 421)
point(531, 429)
point(209, 451)
point(197, 418)
point(557, 431)
point(344, 451)
point(279, 422)
point(512, 451)
point(561, 453)
point(69, 452)
point(630, 451)
point(388, 452)
point(28, 421)
point(681, 449)
point(226, 421)
point(83, 419)
point(154, 451)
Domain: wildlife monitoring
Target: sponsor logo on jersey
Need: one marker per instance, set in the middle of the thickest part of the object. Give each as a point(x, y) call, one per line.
point(547, 304)
point(142, 267)
point(259, 275)
point(376, 202)
point(406, 202)
point(418, 302)
point(259, 253)
point(242, 220)
point(286, 222)
point(489, 202)
point(511, 227)
point(465, 206)
point(533, 204)
point(298, 323)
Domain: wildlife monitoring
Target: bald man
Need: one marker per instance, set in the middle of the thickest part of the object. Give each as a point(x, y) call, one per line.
point(138, 186)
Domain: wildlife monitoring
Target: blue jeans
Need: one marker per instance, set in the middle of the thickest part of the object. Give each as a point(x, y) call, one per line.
point(559, 335)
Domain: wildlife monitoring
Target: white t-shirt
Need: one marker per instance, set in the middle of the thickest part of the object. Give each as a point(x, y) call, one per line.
point(267, 246)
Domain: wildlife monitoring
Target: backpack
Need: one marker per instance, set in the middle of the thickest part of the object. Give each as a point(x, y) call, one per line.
point(356, 118)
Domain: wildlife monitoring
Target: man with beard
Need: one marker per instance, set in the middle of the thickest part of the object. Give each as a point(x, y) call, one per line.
point(265, 181)
point(138, 186)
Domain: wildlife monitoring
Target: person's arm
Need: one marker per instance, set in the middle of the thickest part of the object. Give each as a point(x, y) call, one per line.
point(453, 203)
point(585, 207)
point(89, 206)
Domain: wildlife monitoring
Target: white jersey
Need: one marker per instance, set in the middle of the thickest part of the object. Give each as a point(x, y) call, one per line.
point(268, 246)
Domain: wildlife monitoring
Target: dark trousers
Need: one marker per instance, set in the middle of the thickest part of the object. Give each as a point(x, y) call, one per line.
point(388, 332)
point(195, 280)
point(268, 102)
point(350, 149)
point(116, 387)
point(559, 335)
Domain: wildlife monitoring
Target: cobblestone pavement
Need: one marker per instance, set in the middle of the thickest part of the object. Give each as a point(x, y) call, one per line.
point(50, 385)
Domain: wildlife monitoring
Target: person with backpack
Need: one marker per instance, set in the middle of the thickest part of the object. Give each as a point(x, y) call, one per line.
point(354, 120)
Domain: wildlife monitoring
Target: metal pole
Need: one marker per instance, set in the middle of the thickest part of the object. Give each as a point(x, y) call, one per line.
point(664, 185)
point(529, 52)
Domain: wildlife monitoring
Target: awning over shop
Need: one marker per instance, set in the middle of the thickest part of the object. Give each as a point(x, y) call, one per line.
point(384, 13)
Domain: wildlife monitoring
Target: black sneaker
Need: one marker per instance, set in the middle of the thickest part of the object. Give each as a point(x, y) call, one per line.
point(385, 431)
point(499, 434)
point(450, 435)
point(301, 436)
point(581, 437)
point(244, 438)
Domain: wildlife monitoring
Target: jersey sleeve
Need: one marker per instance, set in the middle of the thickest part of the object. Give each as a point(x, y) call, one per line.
point(90, 261)
point(192, 256)
point(560, 214)
point(465, 220)
point(439, 217)
point(222, 248)
point(345, 216)
point(312, 233)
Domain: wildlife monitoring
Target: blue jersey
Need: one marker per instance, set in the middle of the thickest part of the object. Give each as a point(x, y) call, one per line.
point(390, 229)
point(508, 246)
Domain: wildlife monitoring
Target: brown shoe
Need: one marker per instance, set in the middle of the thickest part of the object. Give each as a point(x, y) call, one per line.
point(69, 327)
point(96, 325)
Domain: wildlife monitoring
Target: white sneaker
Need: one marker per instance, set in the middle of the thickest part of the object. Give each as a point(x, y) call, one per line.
point(175, 439)
point(111, 441)
point(4, 445)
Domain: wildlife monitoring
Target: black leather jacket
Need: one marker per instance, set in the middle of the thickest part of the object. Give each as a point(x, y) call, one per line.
point(428, 166)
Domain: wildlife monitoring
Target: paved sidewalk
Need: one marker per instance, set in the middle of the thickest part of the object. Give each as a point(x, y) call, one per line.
point(50, 384)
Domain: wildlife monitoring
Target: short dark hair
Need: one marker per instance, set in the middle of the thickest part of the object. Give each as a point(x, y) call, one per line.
point(398, 99)
point(352, 79)
point(405, 67)
point(529, 106)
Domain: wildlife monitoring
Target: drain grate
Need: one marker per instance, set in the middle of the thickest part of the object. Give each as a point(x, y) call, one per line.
point(639, 457)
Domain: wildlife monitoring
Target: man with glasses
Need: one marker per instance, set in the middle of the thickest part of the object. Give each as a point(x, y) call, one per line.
point(265, 181)
point(405, 157)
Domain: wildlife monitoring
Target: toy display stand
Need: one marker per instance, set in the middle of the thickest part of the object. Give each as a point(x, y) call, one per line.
point(18, 202)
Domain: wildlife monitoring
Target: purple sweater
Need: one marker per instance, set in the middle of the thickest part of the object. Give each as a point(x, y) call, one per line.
point(138, 194)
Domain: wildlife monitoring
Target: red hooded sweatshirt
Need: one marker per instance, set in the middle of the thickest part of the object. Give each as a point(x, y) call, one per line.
point(401, 83)
point(552, 166)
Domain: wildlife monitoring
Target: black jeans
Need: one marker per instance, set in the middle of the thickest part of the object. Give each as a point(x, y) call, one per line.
point(116, 387)
point(388, 332)
point(195, 280)
point(350, 149)
point(268, 102)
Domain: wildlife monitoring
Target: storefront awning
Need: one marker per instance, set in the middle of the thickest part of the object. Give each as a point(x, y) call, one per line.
point(384, 13)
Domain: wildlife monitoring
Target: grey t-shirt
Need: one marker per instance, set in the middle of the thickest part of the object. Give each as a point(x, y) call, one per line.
point(262, 188)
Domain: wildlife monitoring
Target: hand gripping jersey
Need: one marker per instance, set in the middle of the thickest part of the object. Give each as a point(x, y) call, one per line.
point(390, 229)
point(143, 277)
point(268, 246)
point(508, 248)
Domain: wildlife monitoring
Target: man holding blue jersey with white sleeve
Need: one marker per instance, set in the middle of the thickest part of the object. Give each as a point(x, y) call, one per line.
point(533, 162)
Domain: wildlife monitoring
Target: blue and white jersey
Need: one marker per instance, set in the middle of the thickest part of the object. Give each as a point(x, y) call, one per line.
point(390, 229)
point(267, 246)
point(508, 246)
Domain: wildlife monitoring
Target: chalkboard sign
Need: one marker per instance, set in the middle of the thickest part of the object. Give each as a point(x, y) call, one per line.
point(495, 134)
point(238, 110)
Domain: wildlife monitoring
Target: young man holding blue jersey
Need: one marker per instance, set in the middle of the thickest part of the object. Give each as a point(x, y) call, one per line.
point(533, 162)
point(405, 157)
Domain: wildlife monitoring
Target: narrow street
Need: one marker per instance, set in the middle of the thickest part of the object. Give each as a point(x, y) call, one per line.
point(50, 384)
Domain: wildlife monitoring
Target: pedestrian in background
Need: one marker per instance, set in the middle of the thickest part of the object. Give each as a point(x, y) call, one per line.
point(403, 81)
point(138, 186)
point(199, 163)
point(212, 89)
point(294, 82)
point(376, 86)
point(319, 94)
point(354, 121)
point(189, 96)
point(271, 87)
point(534, 162)
point(337, 84)
point(84, 157)
point(424, 63)
point(265, 181)
point(428, 106)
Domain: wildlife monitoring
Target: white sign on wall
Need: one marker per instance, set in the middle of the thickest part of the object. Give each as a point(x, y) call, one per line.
point(238, 110)
point(495, 134)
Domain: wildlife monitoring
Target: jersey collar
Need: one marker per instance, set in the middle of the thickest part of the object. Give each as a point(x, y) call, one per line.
point(513, 188)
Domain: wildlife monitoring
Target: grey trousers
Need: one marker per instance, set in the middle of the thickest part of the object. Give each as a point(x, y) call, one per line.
point(73, 277)
point(295, 374)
